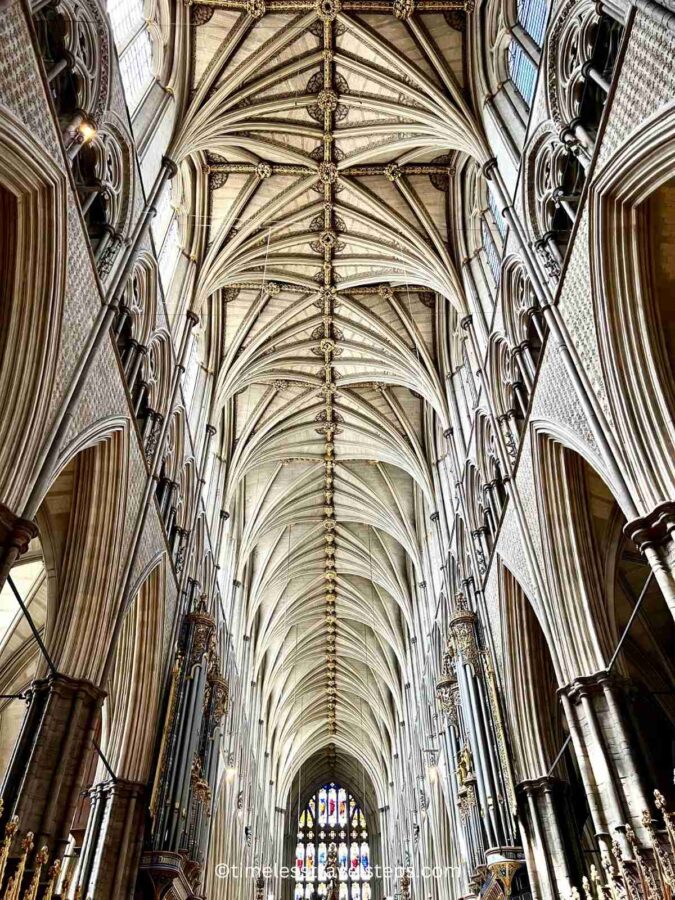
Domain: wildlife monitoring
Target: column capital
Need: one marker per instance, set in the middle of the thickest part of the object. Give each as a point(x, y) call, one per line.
point(170, 166)
point(586, 685)
point(489, 166)
point(654, 528)
point(15, 532)
point(547, 784)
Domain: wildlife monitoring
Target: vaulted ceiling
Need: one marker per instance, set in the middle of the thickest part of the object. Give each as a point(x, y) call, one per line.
point(323, 140)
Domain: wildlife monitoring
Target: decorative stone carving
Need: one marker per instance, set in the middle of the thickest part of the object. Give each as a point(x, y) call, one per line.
point(327, 100)
point(328, 10)
point(255, 8)
point(328, 173)
point(201, 14)
point(403, 9)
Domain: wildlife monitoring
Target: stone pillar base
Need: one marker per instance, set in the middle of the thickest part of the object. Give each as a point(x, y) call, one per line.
point(45, 774)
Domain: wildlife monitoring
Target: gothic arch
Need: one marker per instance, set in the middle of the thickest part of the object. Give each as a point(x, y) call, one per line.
point(131, 710)
point(633, 217)
point(543, 158)
point(530, 682)
point(32, 284)
point(577, 610)
point(80, 521)
point(158, 367)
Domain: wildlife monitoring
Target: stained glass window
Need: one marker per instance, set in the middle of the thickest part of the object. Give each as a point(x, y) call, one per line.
point(332, 831)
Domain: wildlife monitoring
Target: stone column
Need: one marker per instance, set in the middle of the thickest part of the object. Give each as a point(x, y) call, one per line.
point(45, 774)
point(599, 723)
point(553, 859)
point(112, 845)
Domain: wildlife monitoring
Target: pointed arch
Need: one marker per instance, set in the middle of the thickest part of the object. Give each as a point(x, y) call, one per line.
point(32, 285)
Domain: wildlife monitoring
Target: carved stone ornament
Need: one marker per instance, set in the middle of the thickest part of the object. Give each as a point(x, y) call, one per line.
point(328, 239)
point(403, 9)
point(392, 172)
point(255, 8)
point(263, 170)
point(328, 10)
point(201, 14)
point(327, 172)
point(327, 100)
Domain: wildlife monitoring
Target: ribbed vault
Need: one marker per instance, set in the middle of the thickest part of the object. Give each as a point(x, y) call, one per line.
point(324, 138)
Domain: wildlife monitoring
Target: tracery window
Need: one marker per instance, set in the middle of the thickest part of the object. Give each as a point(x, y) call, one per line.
point(133, 48)
point(332, 827)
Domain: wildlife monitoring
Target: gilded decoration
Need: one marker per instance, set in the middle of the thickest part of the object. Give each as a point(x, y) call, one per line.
point(463, 629)
point(403, 9)
point(328, 10)
point(255, 8)
point(203, 627)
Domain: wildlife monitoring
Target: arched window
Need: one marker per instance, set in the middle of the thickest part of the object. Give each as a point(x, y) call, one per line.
point(332, 827)
point(496, 215)
point(132, 40)
point(168, 255)
point(166, 237)
point(493, 229)
point(532, 17)
point(491, 251)
point(527, 36)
